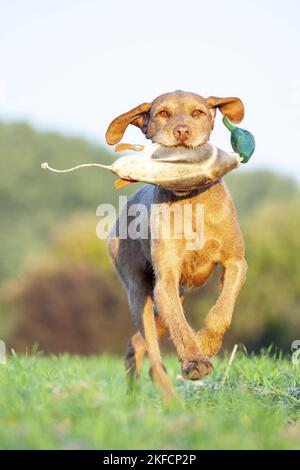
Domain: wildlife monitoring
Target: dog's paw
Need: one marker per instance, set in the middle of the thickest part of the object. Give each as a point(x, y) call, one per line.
point(197, 369)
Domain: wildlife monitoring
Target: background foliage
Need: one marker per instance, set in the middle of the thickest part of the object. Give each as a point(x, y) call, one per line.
point(57, 285)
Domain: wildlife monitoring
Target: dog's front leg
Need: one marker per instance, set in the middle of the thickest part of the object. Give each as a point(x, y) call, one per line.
point(219, 317)
point(167, 267)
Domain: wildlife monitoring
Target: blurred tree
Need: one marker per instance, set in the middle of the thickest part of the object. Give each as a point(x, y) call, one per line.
point(250, 189)
point(33, 201)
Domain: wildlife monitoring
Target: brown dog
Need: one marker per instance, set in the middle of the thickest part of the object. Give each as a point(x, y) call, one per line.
point(157, 271)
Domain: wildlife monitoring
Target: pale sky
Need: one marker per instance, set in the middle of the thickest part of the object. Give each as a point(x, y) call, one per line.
point(73, 65)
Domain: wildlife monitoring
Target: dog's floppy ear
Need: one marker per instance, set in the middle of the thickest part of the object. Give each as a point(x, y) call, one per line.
point(138, 116)
point(233, 108)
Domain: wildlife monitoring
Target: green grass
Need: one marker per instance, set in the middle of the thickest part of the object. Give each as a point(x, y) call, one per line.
point(83, 403)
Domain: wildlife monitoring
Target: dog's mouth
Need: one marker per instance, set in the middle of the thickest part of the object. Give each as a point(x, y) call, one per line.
point(182, 154)
point(185, 145)
point(189, 143)
point(193, 142)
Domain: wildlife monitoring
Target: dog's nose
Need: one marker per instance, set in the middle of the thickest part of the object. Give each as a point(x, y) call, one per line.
point(182, 132)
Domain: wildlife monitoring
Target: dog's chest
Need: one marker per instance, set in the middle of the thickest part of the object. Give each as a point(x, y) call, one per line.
point(198, 265)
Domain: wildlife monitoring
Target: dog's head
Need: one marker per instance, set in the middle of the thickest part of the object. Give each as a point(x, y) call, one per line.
point(176, 118)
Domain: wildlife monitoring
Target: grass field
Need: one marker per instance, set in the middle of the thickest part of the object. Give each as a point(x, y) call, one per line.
point(83, 403)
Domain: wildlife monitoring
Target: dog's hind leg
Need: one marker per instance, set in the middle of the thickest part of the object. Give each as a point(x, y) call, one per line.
point(157, 370)
point(134, 356)
point(141, 307)
point(137, 348)
point(131, 265)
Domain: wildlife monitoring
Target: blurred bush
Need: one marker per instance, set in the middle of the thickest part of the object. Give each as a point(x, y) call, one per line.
point(58, 286)
point(74, 308)
point(70, 299)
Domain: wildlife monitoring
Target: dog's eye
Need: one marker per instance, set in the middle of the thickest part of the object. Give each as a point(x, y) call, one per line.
point(163, 113)
point(197, 113)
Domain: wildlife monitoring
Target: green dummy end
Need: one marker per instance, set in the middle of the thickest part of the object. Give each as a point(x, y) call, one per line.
point(242, 141)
